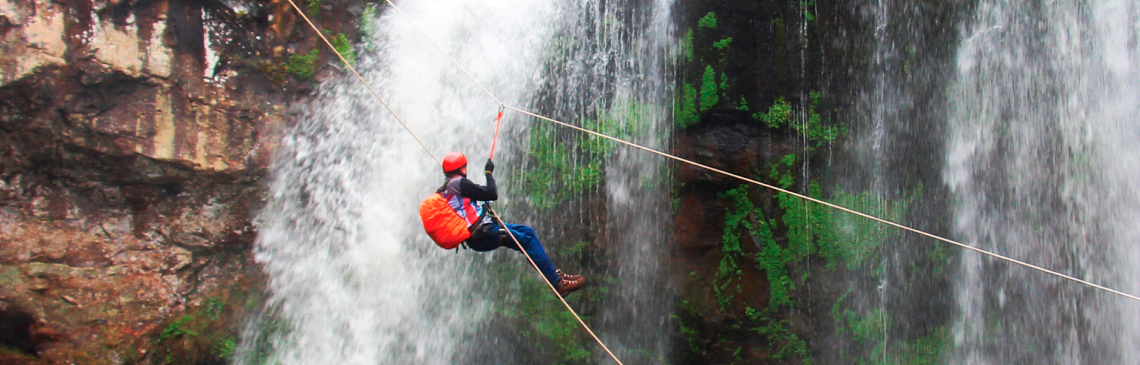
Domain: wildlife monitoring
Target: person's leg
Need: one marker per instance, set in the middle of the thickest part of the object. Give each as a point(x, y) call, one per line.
point(533, 247)
point(488, 242)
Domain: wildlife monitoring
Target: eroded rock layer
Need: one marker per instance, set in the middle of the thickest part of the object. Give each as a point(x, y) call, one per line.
point(134, 138)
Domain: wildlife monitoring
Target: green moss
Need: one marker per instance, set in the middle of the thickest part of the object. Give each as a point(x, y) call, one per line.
point(177, 329)
point(783, 342)
point(562, 168)
point(723, 43)
point(869, 331)
point(205, 333)
point(687, 46)
point(814, 129)
point(555, 176)
point(685, 114)
point(724, 84)
point(806, 5)
point(538, 315)
point(855, 242)
point(709, 95)
point(736, 216)
point(303, 66)
point(344, 47)
point(778, 114)
point(225, 348)
point(314, 7)
point(366, 19)
point(708, 21)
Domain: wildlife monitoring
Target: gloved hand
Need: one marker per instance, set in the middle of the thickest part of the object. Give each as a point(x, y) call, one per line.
point(490, 167)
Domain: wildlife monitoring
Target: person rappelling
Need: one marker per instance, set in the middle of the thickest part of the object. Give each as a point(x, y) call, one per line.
point(453, 216)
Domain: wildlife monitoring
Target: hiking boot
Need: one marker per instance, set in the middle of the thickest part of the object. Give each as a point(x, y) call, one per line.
point(564, 276)
point(567, 286)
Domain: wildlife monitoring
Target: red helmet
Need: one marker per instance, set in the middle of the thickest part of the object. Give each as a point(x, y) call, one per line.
point(453, 161)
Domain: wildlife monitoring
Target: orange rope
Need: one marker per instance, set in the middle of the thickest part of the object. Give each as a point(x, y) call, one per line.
point(498, 120)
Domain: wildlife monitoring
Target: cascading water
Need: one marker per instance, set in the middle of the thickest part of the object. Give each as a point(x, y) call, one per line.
point(353, 279)
point(1043, 167)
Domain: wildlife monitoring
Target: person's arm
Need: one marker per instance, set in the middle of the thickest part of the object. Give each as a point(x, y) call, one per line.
point(477, 192)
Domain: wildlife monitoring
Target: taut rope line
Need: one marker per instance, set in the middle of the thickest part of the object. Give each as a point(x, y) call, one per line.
point(552, 288)
point(751, 181)
point(808, 198)
point(374, 93)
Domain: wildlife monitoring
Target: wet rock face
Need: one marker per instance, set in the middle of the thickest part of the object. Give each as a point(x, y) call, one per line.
point(134, 139)
point(155, 80)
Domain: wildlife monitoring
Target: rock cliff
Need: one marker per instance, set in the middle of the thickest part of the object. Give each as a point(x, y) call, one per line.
point(134, 138)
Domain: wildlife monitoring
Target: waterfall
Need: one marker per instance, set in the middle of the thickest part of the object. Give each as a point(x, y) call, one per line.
point(352, 277)
point(1043, 167)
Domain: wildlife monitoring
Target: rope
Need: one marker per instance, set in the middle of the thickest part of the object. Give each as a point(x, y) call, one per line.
point(814, 200)
point(374, 93)
point(751, 181)
point(498, 120)
point(552, 288)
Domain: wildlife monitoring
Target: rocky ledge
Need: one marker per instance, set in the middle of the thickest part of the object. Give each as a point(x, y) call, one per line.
point(134, 140)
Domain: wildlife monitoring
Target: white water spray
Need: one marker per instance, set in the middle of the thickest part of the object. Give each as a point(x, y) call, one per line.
point(1043, 165)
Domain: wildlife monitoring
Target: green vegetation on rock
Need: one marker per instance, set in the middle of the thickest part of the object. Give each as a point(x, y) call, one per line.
point(709, 94)
point(344, 47)
point(685, 113)
point(808, 15)
point(563, 168)
point(818, 134)
point(303, 65)
point(687, 46)
point(708, 21)
point(723, 43)
point(205, 333)
point(777, 115)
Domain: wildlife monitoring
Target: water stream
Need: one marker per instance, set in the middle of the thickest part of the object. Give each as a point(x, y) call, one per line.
point(354, 280)
point(1043, 167)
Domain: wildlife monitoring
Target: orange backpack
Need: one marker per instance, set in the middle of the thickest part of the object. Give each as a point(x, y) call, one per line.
point(442, 223)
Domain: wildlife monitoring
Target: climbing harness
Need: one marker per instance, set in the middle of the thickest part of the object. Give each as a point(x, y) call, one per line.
point(498, 119)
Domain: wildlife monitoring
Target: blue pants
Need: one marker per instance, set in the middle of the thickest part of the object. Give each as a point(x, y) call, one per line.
point(529, 242)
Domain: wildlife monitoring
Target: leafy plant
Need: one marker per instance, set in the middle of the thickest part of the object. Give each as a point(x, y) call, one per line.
point(176, 329)
point(814, 129)
point(708, 21)
point(777, 115)
point(344, 47)
point(225, 348)
point(808, 16)
point(685, 113)
point(709, 95)
point(303, 65)
point(563, 168)
point(687, 46)
point(723, 43)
